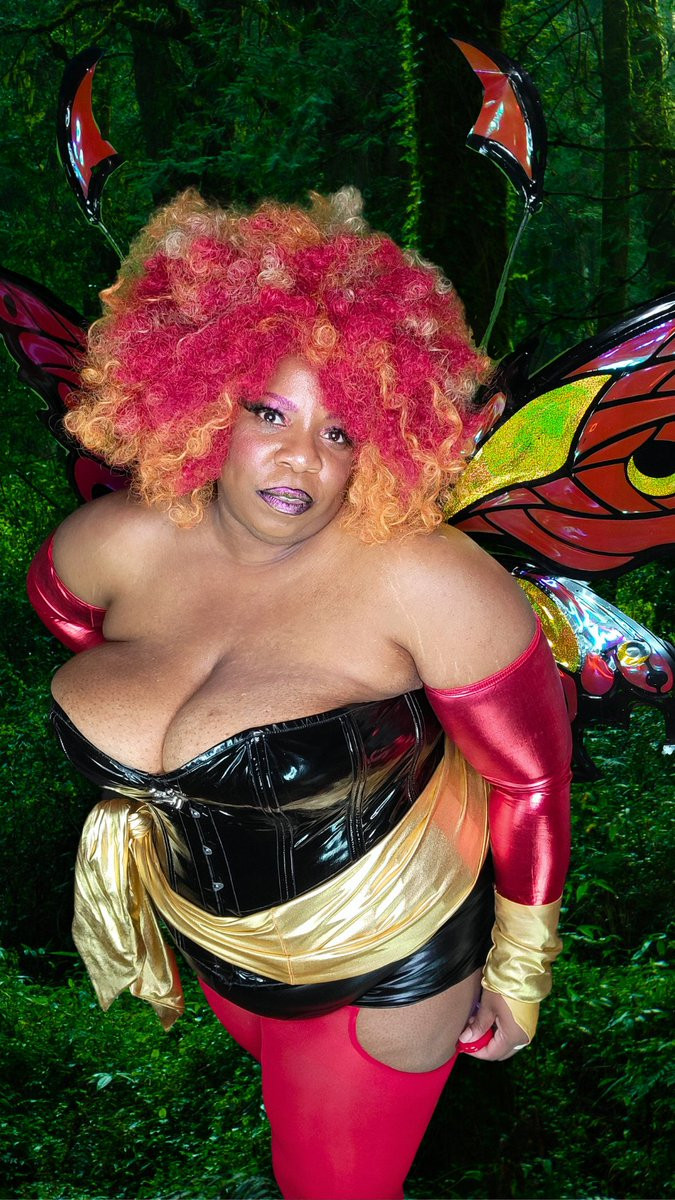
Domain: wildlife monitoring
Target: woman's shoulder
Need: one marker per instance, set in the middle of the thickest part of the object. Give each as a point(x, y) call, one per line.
point(444, 558)
point(457, 611)
point(101, 543)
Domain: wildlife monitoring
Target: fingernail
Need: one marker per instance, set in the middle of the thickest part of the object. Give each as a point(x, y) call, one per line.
point(470, 1047)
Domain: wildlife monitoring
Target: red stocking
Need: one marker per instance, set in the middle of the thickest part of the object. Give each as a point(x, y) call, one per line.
point(344, 1126)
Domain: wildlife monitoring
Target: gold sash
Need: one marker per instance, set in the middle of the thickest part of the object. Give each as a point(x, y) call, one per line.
point(375, 912)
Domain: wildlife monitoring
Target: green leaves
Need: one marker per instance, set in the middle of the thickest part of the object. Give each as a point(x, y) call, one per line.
point(118, 1108)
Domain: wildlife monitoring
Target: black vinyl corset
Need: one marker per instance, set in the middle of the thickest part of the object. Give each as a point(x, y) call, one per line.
point(276, 810)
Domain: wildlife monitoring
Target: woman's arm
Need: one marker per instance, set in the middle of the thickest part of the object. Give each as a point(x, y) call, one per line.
point(73, 621)
point(76, 572)
point(511, 724)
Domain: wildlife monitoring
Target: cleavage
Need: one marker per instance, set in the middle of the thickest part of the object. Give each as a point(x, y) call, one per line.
point(123, 702)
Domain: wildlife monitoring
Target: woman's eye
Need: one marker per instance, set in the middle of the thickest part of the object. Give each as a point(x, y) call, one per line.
point(339, 436)
point(271, 416)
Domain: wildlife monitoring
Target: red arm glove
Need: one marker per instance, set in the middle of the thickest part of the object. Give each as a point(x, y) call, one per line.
point(514, 729)
point(74, 622)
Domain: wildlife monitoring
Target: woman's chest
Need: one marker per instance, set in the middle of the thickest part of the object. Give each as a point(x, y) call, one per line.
point(175, 688)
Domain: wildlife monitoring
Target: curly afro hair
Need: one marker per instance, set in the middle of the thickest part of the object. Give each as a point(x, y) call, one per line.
point(210, 300)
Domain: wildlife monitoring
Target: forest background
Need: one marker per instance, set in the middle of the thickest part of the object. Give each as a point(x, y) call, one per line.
point(252, 98)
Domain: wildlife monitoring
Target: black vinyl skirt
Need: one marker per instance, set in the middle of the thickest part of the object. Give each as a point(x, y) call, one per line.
point(454, 952)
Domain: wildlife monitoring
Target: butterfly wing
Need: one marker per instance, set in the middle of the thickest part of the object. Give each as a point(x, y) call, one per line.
point(577, 479)
point(580, 472)
point(46, 338)
point(608, 662)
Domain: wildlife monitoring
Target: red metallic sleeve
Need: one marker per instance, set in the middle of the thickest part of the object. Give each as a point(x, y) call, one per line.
point(74, 622)
point(513, 728)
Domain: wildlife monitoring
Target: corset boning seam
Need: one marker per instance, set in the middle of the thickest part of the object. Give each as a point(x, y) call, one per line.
point(354, 743)
point(416, 715)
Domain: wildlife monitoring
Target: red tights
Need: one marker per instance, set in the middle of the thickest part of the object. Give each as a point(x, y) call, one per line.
point(344, 1126)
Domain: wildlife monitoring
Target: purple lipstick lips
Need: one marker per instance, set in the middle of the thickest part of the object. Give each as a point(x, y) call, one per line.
point(286, 500)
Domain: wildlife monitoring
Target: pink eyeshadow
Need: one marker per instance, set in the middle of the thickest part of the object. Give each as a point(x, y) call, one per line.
point(284, 404)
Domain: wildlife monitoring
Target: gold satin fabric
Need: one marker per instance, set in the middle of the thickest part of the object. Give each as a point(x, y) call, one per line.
point(378, 910)
point(524, 945)
point(115, 928)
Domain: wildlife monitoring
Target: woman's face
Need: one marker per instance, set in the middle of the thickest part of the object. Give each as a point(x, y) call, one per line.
point(289, 460)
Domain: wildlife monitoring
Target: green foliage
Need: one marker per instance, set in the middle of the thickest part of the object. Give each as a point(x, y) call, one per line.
point(647, 596)
point(620, 902)
point(557, 289)
point(587, 1109)
point(257, 100)
point(93, 1107)
point(407, 120)
point(583, 1112)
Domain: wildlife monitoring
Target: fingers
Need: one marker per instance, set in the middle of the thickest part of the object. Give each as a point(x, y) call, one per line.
point(499, 1048)
point(479, 1024)
point(492, 1034)
point(470, 1047)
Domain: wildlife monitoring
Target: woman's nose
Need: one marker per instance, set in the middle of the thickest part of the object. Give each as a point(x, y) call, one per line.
point(299, 451)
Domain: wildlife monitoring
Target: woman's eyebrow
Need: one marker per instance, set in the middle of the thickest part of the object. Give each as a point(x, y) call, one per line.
point(288, 406)
point(285, 404)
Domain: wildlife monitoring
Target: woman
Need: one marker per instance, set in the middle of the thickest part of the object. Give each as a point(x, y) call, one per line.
point(293, 396)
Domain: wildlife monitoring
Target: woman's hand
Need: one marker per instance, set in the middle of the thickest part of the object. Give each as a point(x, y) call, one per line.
point(493, 1013)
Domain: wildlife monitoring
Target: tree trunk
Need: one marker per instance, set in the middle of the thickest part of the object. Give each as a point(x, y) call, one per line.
point(653, 125)
point(155, 45)
point(156, 80)
point(616, 168)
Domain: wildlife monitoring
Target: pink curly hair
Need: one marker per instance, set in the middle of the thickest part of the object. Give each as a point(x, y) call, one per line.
point(210, 300)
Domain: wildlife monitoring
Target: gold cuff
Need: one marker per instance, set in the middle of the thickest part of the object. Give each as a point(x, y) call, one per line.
point(524, 944)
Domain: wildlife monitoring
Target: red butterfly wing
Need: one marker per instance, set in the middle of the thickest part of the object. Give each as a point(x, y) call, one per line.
point(608, 662)
point(582, 470)
point(46, 338)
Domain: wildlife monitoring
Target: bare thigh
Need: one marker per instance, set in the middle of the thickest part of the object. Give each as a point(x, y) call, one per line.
point(422, 1036)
